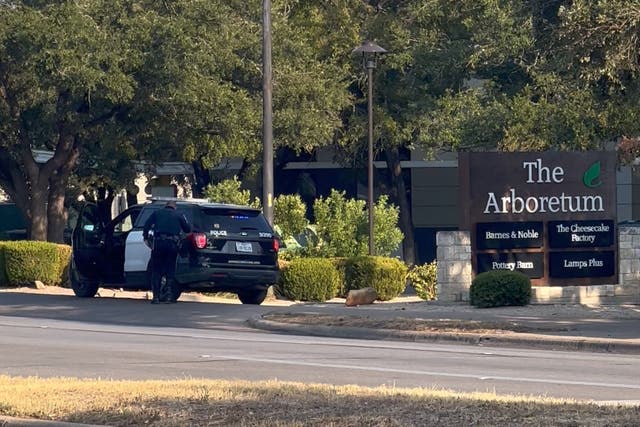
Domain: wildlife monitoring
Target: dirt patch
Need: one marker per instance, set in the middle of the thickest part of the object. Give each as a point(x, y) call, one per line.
point(413, 324)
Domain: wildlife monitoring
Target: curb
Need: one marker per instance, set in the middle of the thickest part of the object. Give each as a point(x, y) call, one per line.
point(28, 422)
point(513, 339)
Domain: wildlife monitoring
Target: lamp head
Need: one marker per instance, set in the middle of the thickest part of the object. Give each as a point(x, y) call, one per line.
point(369, 51)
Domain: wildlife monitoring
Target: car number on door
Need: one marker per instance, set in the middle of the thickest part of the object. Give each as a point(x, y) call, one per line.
point(244, 247)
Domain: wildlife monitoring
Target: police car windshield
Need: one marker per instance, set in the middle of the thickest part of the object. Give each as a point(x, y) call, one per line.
point(232, 220)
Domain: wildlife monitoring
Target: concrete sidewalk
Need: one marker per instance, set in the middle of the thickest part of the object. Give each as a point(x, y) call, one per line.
point(562, 327)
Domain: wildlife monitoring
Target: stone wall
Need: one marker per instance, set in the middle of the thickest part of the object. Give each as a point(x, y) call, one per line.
point(455, 273)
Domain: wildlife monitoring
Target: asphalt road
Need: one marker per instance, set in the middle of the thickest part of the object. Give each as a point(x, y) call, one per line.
point(130, 339)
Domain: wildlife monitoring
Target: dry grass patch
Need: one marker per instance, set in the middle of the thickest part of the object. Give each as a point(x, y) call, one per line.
point(209, 402)
point(408, 324)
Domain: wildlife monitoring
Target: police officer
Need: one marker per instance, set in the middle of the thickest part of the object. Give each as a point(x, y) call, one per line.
point(166, 225)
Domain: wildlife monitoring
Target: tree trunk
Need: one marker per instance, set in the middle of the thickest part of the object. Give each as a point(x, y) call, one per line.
point(37, 213)
point(56, 212)
point(400, 192)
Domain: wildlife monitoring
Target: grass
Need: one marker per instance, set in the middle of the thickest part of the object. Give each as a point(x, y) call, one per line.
point(228, 403)
point(408, 324)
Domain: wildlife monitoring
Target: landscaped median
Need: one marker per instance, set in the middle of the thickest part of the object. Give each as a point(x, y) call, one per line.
point(208, 402)
point(462, 331)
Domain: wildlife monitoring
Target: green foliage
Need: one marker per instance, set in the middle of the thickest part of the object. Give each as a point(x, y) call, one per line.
point(423, 278)
point(65, 252)
point(341, 266)
point(500, 288)
point(289, 214)
point(342, 226)
point(28, 261)
point(309, 279)
point(386, 275)
point(387, 237)
point(3, 269)
point(341, 223)
point(229, 191)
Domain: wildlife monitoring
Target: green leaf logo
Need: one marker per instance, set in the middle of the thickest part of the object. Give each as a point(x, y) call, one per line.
point(591, 177)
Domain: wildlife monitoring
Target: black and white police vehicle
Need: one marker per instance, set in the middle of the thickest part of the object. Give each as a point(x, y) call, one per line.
point(231, 248)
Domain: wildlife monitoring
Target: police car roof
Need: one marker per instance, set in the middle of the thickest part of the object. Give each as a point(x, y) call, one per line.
point(200, 202)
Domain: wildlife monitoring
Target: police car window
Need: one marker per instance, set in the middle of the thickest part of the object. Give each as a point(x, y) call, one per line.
point(124, 225)
point(149, 209)
point(233, 220)
point(145, 214)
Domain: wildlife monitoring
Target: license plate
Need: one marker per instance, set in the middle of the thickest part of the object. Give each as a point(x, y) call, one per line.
point(244, 247)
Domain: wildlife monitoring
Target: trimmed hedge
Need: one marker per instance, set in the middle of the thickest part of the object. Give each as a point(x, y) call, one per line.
point(341, 265)
point(423, 279)
point(28, 261)
point(388, 276)
point(3, 269)
point(65, 261)
point(500, 288)
point(309, 279)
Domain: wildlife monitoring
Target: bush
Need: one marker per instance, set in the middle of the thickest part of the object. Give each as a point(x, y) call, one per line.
point(343, 230)
point(386, 275)
point(27, 261)
point(229, 191)
point(290, 215)
point(423, 280)
point(3, 269)
point(309, 279)
point(499, 288)
point(65, 260)
point(340, 265)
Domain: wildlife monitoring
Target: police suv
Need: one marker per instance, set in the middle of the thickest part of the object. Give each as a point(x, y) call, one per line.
point(231, 248)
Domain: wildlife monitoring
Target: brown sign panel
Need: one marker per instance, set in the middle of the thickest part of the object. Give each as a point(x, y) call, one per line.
point(513, 193)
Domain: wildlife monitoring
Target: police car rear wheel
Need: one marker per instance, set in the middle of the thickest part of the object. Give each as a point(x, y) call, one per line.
point(81, 286)
point(255, 297)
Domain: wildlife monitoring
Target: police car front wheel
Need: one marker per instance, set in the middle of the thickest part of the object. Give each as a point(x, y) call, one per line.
point(81, 286)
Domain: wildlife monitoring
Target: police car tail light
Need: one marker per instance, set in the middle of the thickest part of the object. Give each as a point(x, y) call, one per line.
point(276, 245)
point(199, 240)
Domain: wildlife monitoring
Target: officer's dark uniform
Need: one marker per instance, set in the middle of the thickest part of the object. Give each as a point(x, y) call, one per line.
point(166, 224)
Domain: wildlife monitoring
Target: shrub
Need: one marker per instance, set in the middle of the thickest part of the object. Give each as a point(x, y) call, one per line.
point(3, 269)
point(340, 265)
point(229, 191)
point(342, 226)
point(423, 279)
point(65, 259)
point(289, 213)
point(309, 279)
point(28, 261)
point(499, 288)
point(386, 275)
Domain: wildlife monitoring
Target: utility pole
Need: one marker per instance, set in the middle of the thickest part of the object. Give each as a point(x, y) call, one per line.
point(267, 114)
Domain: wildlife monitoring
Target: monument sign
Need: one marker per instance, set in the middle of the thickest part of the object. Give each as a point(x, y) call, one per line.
point(549, 215)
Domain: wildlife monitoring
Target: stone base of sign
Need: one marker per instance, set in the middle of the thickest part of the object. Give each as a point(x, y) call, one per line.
point(455, 274)
point(588, 295)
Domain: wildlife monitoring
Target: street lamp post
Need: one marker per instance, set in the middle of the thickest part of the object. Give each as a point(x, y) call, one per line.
point(370, 51)
point(267, 114)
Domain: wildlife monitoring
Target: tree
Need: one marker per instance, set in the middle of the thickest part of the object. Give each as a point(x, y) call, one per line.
point(109, 82)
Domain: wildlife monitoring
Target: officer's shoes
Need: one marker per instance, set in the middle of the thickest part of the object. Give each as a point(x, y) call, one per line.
point(155, 301)
point(169, 301)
